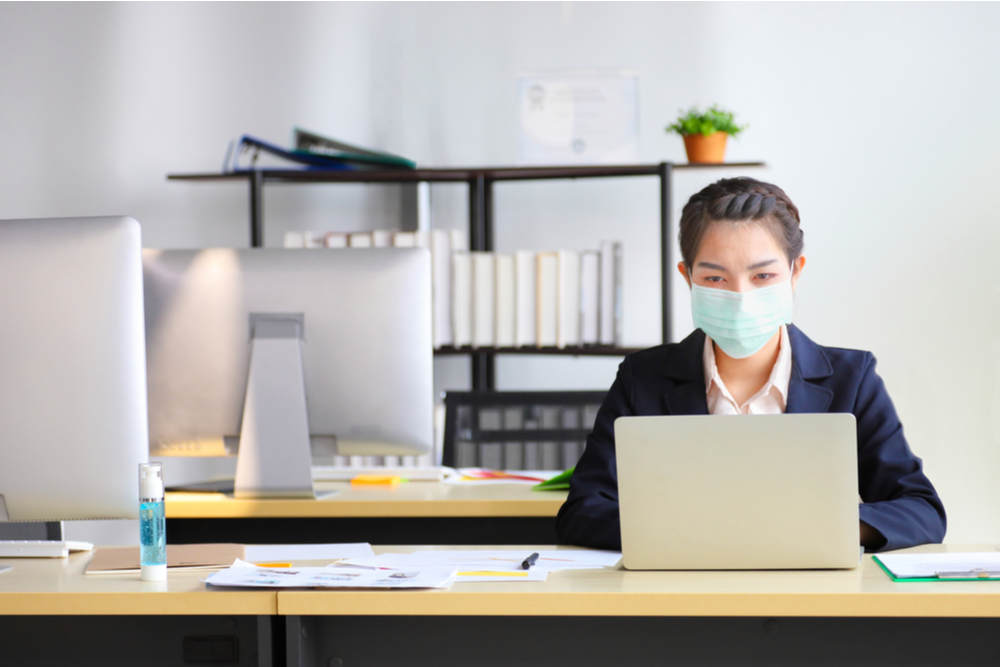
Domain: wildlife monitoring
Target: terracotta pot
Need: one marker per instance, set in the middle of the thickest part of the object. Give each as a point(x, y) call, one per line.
point(702, 149)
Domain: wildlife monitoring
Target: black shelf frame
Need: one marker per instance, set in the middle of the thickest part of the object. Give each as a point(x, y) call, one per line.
point(480, 181)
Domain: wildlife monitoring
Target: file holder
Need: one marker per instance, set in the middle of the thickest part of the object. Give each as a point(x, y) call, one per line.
point(274, 457)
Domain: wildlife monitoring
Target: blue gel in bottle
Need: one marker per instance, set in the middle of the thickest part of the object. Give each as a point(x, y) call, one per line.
point(152, 523)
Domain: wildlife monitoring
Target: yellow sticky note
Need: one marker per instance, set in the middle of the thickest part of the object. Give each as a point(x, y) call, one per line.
point(493, 574)
point(385, 480)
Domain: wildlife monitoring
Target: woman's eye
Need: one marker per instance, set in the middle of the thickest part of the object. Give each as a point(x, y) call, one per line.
point(713, 279)
point(764, 276)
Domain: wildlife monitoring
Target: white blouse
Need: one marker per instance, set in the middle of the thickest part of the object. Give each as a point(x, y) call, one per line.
point(770, 400)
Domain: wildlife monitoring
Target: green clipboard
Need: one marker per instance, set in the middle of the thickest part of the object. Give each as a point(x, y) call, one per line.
point(558, 483)
point(905, 580)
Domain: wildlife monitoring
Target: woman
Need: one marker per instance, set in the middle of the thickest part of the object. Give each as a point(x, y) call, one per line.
point(742, 257)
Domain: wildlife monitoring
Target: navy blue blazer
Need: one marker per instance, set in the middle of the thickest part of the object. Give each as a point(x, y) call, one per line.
point(899, 500)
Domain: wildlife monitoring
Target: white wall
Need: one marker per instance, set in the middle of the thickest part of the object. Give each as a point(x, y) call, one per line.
point(875, 118)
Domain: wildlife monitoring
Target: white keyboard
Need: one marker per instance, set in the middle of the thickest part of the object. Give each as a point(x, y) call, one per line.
point(41, 548)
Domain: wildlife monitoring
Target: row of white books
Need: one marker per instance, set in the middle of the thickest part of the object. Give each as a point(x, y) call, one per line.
point(523, 299)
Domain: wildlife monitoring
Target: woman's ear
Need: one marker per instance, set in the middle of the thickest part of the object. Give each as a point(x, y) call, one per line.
point(797, 267)
point(684, 272)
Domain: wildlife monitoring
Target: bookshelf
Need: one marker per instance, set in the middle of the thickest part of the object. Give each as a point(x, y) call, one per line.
point(480, 181)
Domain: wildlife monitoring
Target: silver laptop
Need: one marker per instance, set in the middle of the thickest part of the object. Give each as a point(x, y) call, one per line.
point(738, 492)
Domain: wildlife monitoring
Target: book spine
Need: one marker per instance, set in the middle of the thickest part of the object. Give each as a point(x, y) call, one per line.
point(461, 304)
point(360, 240)
point(590, 284)
point(527, 291)
point(618, 302)
point(483, 306)
point(568, 330)
point(441, 264)
point(335, 240)
point(404, 240)
point(607, 293)
point(382, 239)
point(506, 301)
point(547, 298)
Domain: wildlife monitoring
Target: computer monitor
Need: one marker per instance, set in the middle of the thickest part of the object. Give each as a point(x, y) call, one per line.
point(72, 369)
point(274, 349)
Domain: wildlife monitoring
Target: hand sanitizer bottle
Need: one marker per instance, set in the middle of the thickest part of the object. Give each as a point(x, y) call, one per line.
point(152, 523)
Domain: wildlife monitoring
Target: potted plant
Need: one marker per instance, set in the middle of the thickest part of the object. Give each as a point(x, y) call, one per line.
point(705, 133)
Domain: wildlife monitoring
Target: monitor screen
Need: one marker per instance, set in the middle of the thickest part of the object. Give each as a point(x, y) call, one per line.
point(72, 369)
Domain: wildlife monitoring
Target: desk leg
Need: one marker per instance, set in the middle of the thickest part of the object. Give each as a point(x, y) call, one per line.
point(462, 641)
point(301, 641)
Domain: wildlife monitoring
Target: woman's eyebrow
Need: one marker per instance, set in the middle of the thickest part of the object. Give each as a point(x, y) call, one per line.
point(709, 265)
point(760, 265)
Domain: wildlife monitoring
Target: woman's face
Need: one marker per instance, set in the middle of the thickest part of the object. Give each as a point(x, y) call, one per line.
point(740, 257)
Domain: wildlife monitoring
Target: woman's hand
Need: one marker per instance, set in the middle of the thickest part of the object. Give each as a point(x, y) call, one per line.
point(871, 539)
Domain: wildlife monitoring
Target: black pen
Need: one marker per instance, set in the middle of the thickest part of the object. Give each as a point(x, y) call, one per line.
point(529, 561)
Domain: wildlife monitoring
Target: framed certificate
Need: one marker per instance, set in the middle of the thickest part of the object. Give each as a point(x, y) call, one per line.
point(579, 117)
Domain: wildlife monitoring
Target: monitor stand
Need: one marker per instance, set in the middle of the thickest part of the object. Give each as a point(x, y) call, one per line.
point(275, 460)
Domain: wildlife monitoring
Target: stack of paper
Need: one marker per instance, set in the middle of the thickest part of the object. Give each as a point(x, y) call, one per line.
point(270, 553)
point(494, 566)
point(940, 567)
point(245, 574)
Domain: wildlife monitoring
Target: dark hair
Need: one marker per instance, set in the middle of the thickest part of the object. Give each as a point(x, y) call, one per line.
point(740, 200)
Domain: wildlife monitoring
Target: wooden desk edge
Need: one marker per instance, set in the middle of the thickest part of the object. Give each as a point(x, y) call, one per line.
point(230, 509)
point(357, 603)
point(194, 603)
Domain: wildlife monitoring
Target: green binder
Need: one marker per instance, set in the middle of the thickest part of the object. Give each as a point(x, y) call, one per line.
point(558, 483)
point(903, 580)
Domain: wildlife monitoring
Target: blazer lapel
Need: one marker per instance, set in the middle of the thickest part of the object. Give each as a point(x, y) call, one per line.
point(685, 370)
point(808, 363)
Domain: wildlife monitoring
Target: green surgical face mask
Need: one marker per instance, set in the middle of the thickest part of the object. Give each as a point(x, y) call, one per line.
point(741, 323)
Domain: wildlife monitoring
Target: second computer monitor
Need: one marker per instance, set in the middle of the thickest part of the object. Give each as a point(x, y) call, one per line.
point(361, 318)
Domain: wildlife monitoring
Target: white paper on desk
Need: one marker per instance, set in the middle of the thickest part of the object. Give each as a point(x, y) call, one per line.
point(492, 571)
point(492, 577)
point(273, 553)
point(385, 561)
point(247, 575)
point(470, 477)
point(346, 577)
point(504, 560)
point(913, 566)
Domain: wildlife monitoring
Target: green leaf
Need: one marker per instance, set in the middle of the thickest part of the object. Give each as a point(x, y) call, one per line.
point(706, 122)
